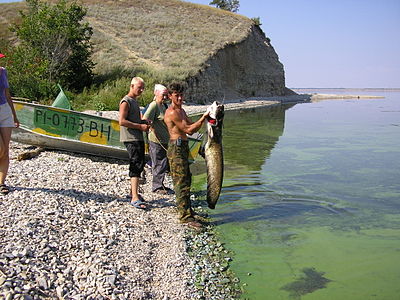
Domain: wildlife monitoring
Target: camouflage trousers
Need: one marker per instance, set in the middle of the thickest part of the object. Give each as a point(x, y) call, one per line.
point(178, 157)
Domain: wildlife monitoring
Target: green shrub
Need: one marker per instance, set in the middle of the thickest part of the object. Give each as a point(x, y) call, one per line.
point(256, 21)
point(54, 45)
point(25, 74)
point(107, 95)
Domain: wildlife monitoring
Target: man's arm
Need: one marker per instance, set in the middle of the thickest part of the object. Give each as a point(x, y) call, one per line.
point(188, 121)
point(184, 123)
point(123, 113)
point(150, 116)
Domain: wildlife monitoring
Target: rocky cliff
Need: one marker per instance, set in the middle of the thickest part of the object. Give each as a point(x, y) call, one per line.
point(249, 68)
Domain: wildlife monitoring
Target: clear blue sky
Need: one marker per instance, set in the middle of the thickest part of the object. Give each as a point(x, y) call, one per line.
point(331, 43)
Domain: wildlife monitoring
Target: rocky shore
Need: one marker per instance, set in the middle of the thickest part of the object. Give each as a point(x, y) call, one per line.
point(67, 231)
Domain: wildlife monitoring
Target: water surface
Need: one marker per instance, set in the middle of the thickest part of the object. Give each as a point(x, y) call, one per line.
point(311, 199)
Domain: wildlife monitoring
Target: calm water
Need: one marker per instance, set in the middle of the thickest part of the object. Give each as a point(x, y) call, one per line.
point(311, 199)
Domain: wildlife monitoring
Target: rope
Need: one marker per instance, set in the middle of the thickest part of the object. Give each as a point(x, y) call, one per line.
point(158, 141)
point(199, 137)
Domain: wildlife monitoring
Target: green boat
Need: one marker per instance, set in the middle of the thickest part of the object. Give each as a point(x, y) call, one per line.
point(64, 129)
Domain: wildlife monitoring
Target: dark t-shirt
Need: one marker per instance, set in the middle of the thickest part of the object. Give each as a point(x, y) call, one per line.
point(131, 134)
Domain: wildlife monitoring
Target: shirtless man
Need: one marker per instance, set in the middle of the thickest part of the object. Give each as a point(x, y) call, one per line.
point(179, 126)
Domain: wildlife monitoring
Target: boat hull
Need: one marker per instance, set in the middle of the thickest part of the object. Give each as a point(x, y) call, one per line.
point(29, 137)
point(63, 129)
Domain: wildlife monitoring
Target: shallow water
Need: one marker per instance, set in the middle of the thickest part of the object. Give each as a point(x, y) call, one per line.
point(311, 198)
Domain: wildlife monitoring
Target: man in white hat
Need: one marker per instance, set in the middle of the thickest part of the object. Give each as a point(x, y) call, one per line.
point(158, 139)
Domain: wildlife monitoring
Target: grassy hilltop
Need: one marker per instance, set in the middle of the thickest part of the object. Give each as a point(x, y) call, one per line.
point(173, 37)
point(162, 40)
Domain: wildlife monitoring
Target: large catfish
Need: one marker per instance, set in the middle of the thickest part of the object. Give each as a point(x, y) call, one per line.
point(213, 153)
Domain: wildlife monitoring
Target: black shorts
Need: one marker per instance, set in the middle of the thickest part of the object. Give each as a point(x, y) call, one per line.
point(136, 157)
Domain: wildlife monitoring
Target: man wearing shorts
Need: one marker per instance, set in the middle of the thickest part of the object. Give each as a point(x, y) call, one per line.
point(131, 134)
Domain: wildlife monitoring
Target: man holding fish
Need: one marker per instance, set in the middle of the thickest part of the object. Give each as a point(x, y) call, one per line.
point(179, 126)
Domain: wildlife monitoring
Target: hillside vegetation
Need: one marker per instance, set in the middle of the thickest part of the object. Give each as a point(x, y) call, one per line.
point(168, 35)
point(172, 36)
point(162, 40)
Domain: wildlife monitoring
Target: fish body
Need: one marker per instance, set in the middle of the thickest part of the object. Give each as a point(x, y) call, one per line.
point(214, 153)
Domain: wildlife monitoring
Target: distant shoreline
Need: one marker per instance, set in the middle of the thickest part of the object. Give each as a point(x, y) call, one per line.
point(193, 109)
point(237, 104)
point(349, 89)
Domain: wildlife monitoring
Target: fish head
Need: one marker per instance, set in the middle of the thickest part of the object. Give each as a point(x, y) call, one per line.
point(216, 113)
point(215, 119)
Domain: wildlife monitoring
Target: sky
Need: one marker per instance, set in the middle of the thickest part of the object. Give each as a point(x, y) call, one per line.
point(331, 43)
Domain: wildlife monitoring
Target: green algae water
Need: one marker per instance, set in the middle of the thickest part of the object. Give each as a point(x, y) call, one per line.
point(310, 204)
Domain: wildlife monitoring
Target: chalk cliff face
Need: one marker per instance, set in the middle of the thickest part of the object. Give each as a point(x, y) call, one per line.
point(249, 68)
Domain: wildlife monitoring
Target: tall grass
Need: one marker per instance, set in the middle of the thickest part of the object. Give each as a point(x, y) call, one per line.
point(167, 34)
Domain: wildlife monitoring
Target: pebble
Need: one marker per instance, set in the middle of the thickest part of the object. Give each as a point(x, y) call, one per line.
point(67, 231)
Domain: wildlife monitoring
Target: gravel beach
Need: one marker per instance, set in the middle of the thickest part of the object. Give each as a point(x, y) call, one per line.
point(67, 231)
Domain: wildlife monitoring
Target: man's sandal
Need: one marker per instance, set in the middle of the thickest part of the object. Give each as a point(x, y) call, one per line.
point(164, 191)
point(4, 190)
point(139, 204)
